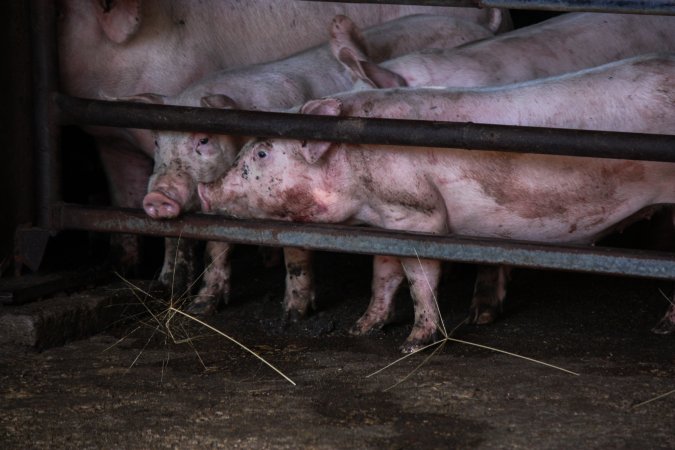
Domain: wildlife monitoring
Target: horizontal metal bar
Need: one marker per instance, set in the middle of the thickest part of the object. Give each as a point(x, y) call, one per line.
point(555, 141)
point(453, 3)
point(372, 241)
point(663, 7)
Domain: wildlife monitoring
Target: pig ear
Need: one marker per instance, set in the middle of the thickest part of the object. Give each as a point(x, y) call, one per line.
point(146, 97)
point(345, 34)
point(312, 151)
point(119, 19)
point(496, 17)
point(218, 101)
point(369, 72)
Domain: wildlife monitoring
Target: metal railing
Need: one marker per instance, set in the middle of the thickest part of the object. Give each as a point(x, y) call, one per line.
point(54, 109)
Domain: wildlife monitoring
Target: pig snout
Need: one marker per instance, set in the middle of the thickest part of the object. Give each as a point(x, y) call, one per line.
point(160, 206)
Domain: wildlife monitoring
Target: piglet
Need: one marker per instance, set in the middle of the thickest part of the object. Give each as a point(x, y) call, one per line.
point(542, 198)
point(184, 159)
point(562, 44)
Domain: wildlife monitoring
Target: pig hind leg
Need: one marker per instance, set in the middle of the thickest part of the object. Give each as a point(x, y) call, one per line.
point(488, 294)
point(300, 293)
point(667, 324)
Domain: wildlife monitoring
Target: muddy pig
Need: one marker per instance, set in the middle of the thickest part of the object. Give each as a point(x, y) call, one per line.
point(542, 198)
point(118, 48)
point(183, 159)
point(563, 44)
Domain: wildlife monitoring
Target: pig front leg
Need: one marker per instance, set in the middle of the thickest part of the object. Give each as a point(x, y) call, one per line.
point(215, 288)
point(387, 277)
point(300, 293)
point(488, 294)
point(178, 271)
point(423, 276)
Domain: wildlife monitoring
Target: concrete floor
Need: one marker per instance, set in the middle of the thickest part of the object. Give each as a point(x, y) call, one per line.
point(135, 389)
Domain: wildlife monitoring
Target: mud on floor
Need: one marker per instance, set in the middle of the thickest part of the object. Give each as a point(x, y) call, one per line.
point(124, 389)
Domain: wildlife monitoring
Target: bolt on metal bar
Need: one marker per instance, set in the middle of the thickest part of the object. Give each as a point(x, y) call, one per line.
point(662, 7)
point(554, 141)
point(372, 241)
point(45, 121)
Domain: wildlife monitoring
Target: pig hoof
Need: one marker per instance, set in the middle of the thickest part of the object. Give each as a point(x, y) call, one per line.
point(359, 329)
point(664, 327)
point(293, 316)
point(412, 345)
point(202, 308)
point(483, 315)
point(667, 323)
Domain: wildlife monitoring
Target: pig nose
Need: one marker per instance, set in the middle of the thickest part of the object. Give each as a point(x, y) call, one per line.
point(159, 206)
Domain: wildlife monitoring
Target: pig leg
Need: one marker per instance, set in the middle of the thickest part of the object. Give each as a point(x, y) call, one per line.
point(128, 171)
point(215, 288)
point(423, 276)
point(300, 292)
point(488, 294)
point(387, 277)
point(178, 270)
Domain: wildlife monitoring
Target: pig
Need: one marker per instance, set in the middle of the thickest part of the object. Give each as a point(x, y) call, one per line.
point(565, 43)
point(183, 159)
point(117, 48)
point(542, 198)
point(562, 44)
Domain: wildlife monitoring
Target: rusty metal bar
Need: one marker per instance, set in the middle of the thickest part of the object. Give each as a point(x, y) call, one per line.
point(554, 141)
point(372, 241)
point(662, 7)
point(46, 126)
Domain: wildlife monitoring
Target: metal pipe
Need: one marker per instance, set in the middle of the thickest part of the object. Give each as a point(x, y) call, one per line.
point(372, 241)
point(554, 141)
point(663, 7)
point(46, 126)
point(453, 3)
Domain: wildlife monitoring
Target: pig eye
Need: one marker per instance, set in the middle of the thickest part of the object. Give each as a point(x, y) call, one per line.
point(262, 154)
point(156, 143)
point(204, 141)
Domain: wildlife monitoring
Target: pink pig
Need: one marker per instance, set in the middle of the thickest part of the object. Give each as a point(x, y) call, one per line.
point(183, 159)
point(543, 198)
point(118, 48)
point(563, 44)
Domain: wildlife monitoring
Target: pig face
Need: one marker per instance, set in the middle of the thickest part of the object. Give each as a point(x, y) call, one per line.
point(181, 161)
point(278, 179)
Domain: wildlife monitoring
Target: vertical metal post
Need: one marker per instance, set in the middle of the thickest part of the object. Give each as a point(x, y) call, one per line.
point(46, 126)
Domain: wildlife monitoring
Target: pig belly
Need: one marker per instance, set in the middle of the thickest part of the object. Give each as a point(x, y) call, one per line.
point(554, 199)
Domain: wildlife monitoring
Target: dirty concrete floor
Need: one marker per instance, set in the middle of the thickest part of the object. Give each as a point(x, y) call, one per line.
point(135, 389)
